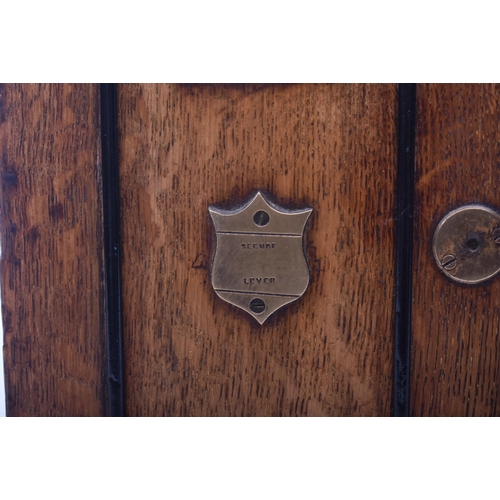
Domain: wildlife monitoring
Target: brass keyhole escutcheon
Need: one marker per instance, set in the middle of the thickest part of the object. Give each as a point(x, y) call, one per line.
point(259, 264)
point(466, 244)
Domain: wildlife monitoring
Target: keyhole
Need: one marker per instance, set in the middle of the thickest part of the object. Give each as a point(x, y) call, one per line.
point(257, 306)
point(472, 244)
point(261, 218)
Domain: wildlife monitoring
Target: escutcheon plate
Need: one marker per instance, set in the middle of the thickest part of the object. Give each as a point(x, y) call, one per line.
point(259, 263)
point(464, 244)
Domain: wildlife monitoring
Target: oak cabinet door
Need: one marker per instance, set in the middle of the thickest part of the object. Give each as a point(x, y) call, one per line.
point(186, 352)
point(329, 147)
point(52, 271)
point(456, 343)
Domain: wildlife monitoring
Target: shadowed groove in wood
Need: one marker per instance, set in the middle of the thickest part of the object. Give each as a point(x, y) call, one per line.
point(185, 147)
point(52, 262)
point(404, 243)
point(112, 246)
point(456, 340)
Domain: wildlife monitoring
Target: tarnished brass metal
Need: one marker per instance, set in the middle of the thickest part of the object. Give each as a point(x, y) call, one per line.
point(465, 244)
point(259, 263)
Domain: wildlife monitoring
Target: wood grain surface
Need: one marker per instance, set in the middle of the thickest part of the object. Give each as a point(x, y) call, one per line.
point(185, 147)
point(456, 344)
point(52, 262)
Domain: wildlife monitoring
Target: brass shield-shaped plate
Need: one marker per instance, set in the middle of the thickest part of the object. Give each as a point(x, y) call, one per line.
point(259, 263)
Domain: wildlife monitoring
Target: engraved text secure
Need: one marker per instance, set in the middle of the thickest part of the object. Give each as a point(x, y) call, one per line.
point(259, 263)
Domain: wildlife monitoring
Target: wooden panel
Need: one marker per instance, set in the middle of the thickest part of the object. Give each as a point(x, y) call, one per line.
point(331, 147)
point(456, 351)
point(52, 263)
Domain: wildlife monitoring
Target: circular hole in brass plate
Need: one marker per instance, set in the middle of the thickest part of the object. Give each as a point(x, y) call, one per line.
point(261, 218)
point(466, 234)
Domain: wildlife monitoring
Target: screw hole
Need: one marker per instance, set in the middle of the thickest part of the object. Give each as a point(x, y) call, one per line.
point(472, 244)
point(257, 306)
point(261, 218)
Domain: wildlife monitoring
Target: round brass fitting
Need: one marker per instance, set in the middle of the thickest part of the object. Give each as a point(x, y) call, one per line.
point(466, 244)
